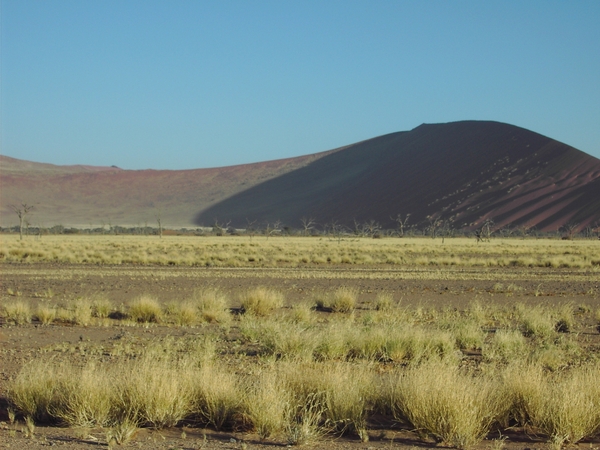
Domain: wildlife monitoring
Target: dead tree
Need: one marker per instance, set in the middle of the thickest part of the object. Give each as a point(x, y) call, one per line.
point(434, 224)
point(22, 211)
point(251, 227)
point(273, 229)
point(487, 229)
point(569, 230)
point(401, 223)
point(371, 228)
point(219, 228)
point(307, 225)
point(158, 216)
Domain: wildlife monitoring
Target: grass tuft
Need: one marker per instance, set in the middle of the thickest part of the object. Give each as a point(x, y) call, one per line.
point(261, 301)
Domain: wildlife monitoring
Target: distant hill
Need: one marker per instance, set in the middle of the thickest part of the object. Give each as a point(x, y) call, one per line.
point(463, 172)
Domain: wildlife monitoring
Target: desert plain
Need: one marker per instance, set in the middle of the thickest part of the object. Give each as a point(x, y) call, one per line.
point(323, 342)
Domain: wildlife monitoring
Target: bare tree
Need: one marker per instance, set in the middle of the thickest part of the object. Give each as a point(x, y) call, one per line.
point(434, 224)
point(446, 229)
point(487, 229)
point(22, 211)
point(220, 228)
point(251, 227)
point(336, 230)
point(158, 216)
point(569, 230)
point(359, 228)
point(307, 225)
point(272, 229)
point(371, 228)
point(401, 223)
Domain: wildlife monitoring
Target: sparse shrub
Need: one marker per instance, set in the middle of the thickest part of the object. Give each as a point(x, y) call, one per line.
point(261, 301)
point(343, 300)
point(17, 312)
point(145, 309)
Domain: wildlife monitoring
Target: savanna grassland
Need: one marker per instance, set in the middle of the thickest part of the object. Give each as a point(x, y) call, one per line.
point(249, 342)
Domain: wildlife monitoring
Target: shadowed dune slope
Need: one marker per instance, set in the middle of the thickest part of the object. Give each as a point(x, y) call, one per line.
point(464, 172)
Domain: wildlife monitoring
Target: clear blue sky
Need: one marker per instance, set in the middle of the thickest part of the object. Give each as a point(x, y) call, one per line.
point(187, 84)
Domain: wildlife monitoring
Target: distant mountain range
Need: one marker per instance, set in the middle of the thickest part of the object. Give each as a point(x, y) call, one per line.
point(460, 172)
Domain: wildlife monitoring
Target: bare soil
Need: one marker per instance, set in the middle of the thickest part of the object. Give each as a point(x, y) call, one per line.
point(452, 288)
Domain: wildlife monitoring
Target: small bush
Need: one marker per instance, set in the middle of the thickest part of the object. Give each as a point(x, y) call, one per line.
point(261, 301)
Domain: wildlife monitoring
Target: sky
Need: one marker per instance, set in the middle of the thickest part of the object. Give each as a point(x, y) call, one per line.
point(188, 84)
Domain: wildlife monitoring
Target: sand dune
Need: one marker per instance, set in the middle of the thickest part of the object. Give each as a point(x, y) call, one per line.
point(464, 172)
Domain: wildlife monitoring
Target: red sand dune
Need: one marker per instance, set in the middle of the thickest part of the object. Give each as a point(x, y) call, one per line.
point(464, 172)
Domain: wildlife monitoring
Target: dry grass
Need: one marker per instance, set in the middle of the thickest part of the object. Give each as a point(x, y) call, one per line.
point(45, 314)
point(242, 251)
point(145, 309)
point(265, 403)
point(457, 408)
point(102, 307)
point(213, 306)
point(261, 301)
point(17, 312)
point(217, 398)
point(565, 405)
point(343, 300)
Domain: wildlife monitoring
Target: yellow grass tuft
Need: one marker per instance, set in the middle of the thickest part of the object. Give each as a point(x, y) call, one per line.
point(261, 301)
